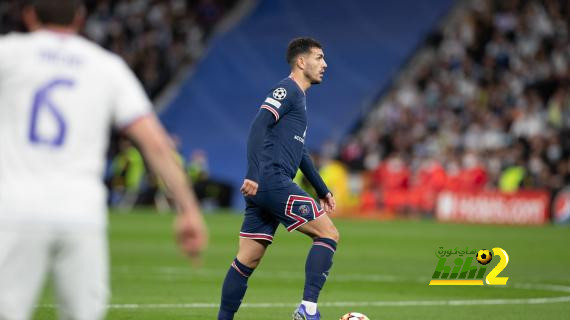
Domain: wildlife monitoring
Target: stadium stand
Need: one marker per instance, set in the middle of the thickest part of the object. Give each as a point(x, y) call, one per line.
point(485, 104)
point(155, 37)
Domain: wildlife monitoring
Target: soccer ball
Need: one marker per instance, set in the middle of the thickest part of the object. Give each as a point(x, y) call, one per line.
point(484, 256)
point(354, 316)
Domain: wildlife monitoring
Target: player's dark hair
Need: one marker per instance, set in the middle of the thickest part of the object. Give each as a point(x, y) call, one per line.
point(299, 46)
point(58, 12)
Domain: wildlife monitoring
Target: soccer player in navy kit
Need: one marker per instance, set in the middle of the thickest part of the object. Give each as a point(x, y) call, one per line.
point(275, 151)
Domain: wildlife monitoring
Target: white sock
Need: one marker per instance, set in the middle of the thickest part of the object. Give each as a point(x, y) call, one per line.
point(311, 307)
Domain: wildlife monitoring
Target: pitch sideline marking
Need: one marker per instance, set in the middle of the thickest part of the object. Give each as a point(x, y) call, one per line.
point(412, 303)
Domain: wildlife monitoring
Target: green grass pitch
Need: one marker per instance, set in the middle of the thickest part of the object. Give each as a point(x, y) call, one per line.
point(381, 269)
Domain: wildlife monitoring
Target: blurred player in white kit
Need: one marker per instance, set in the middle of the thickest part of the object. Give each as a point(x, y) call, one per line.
point(59, 96)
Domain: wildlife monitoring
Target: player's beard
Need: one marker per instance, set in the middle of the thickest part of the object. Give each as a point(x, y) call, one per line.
point(314, 79)
point(313, 73)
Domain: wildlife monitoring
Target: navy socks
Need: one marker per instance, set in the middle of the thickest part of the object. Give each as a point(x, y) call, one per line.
point(317, 266)
point(233, 289)
point(319, 262)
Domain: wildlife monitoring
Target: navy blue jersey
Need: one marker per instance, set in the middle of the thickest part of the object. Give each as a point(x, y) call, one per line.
point(284, 141)
point(276, 144)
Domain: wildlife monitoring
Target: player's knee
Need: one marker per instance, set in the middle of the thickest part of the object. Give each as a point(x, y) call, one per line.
point(251, 251)
point(335, 235)
point(330, 233)
point(250, 260)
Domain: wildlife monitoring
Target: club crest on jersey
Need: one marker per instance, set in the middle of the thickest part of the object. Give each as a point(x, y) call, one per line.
point(279, 93)
point(304, 209)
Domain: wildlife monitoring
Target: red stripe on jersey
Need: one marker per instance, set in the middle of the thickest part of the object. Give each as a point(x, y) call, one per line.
point(272, 111)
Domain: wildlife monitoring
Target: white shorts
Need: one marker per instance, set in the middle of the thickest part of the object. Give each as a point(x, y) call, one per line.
point(78, 260)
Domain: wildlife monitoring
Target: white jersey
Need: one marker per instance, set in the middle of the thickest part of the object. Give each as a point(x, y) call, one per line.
point(59, 96)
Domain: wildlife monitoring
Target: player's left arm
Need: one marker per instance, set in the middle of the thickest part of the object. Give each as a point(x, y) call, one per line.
point(308, 168)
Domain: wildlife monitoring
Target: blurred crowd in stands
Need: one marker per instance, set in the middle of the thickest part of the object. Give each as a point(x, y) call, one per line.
point(130, 183)
point(485, 104)
point(155, 37)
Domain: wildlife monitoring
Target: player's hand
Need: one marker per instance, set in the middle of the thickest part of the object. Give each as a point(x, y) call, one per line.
point(191, 234)
point(249, 188)
point(328, 203)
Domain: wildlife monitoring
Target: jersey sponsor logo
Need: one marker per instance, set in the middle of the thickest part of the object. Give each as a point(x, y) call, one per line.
point(301, 139)
point(279, 93)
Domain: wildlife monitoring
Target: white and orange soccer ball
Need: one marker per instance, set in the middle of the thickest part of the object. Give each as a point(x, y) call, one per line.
point(354, 316)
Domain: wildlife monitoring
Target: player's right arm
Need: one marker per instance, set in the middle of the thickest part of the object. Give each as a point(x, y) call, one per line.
point(273, 108)
point(263, 120)
point(133, 114)
point(157, 149)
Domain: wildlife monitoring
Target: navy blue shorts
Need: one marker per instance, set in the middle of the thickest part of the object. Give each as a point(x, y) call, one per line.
point(291, 206)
